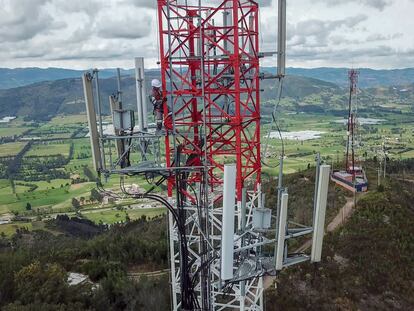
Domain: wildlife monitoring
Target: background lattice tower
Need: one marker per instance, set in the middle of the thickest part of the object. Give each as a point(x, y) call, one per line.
point(352, 136)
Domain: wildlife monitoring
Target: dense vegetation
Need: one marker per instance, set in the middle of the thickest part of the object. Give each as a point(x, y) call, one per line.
point(367, 265)
point(301, 187)
point(34, 267)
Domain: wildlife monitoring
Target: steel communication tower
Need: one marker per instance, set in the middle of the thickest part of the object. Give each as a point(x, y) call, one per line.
point(210, 73)
point(222, 238)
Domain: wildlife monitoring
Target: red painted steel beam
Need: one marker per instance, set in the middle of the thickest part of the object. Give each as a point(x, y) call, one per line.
point(233, 129)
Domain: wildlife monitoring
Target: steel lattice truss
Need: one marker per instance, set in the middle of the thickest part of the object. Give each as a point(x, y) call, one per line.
point(215, 83)
point(210, 76)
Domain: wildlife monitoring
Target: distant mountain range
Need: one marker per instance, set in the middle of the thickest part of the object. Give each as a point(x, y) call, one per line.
point(44, 100)
point(10, 78)
point(368, 78)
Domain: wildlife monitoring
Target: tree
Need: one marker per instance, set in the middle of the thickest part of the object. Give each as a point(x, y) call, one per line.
point(89, 174)
point(40, 283)
point(75, 203)
point(13, 186)
point(28, 206)
point(96, 195)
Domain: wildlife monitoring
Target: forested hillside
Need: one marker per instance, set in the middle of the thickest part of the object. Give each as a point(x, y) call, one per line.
point(368, 264)
point(34, 267)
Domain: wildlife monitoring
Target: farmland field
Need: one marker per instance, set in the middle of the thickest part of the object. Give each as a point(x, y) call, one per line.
point(56, 193)
point(113, 216)
point(11, 149)
point(49, 149)
point(11, 131)
point(71, 119)
point(10, 229)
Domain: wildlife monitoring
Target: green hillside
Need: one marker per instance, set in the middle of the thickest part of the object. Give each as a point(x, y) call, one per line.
point(367, 264)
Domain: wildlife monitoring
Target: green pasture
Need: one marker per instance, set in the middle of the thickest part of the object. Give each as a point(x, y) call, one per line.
point(45, 149)
point(57, 199)
point(113, 216)
point(11, 149)
point(55, 130)
point(10, 229)
point(69, 119)
point(11, 131)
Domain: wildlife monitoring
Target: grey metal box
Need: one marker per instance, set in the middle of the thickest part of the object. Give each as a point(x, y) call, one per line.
point(123, 119)
point(262, 218)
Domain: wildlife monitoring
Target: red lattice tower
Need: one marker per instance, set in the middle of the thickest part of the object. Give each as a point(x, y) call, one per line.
point(352, 121)
point(215, 95)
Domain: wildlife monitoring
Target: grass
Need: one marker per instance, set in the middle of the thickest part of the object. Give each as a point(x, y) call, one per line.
point(55, 183)
point(114, 216)
point(11, 149)
point(152, 212)
point(10, 229)
point(70, 119)
point(49, 149)
point(409, 154)
point(56, 129)
point(11, 131)
point(4, 183)
point(55, 199)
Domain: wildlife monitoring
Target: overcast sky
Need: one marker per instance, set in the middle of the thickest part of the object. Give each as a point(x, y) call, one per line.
point(109, 33)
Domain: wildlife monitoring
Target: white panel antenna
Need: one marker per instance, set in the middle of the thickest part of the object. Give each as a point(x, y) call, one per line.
point(91, 114)
point(229, 206)
point(281, 40)
point(280, 253)
point(319, 219)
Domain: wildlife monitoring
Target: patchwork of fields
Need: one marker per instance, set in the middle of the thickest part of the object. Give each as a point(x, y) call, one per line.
point(42, 176)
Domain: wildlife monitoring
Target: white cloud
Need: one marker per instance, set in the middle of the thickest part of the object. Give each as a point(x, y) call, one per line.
point(24, 19)
point(109, 33)
point(128, 23)
point(377, 4)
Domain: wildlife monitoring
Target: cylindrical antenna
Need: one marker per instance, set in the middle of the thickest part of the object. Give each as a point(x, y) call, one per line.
point(281, 39)
point(118, 72)
point(141, 94)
